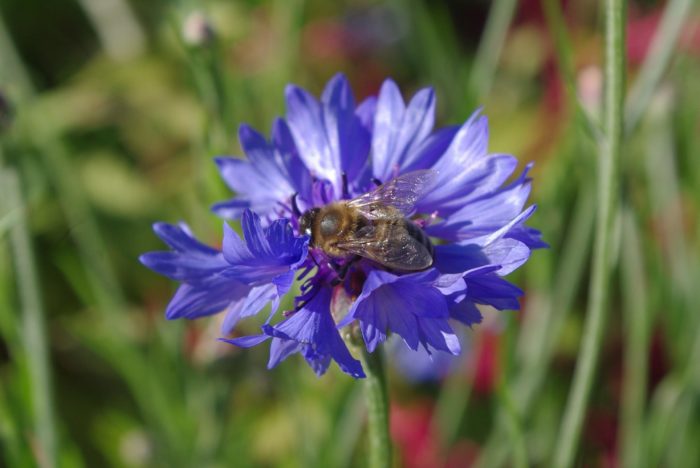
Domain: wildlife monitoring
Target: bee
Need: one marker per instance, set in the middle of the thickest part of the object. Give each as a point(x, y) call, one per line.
point(375, 225)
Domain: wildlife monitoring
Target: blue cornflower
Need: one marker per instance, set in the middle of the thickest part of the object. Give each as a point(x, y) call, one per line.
point(330, 150)
point(241, 279)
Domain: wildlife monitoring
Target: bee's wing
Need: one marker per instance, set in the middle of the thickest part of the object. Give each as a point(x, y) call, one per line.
point(401, 192)
point(389, 244)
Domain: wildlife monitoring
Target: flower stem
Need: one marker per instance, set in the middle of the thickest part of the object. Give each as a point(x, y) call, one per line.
point(377, 410)
point(603, 249)
point(34, 340)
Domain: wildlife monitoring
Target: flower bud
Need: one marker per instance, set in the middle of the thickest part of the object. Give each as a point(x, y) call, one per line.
point(197, 30)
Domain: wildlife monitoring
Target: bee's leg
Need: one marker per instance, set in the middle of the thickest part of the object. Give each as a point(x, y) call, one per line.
point(295, 207)
point(346, 192)
point(342, 271)
point(377, 182)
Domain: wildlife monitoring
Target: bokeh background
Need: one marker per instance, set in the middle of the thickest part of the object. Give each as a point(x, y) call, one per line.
point(111, 113)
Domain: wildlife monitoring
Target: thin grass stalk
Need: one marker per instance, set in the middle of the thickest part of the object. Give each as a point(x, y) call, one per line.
point(452, 402)
point(108, 296)
point(76, 207)
point(678, 391)
point(657, 60)
point(666, 200)
point(116, 26)
point(13, 75)
point(682, 437)
point(556, 23)
point(565, 448)
point(204, 60)
point(533, 368)
point(664, 406)
point(668, 402)
point(348, 429)
point(34, 339)
point(7, 220)
point(436, 50)
point(513, 422)
point(490, 47)
point(575, 254)
point(92, 249)
point(636, 326)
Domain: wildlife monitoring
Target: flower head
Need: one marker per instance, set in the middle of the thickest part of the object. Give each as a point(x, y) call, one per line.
point(241, 279)
point(333, 153)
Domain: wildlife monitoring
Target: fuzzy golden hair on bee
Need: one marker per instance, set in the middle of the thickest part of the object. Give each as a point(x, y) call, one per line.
point(374, 226)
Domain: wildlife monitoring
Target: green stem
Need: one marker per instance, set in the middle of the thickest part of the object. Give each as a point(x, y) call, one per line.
point(452, 403)
point(602, 255)
point(635, 312)
point(377, 410)
point(546, 326)
point(514, 425)
point(116, 27)
point(556, 23)
point(33, 325)
point(12, 73)
point(490, 46)
point(660, 53)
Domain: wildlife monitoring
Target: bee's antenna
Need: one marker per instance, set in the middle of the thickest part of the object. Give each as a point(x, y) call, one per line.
point(346, 193)
point(295, 206)
point(377, 182)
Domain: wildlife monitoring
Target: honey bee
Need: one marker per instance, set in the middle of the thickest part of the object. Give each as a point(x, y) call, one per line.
point(375, 225)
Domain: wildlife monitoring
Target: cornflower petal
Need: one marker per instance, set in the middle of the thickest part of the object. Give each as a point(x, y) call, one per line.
point(465, 170)
point(330, 149)
point(189, 260)
point(267, 255)
point(313, 327)
point(281, 349)
point(399, 130)
point(412, 306)
point(492, 249)
point(486, 213)
point(202, 299)
point(273, 172)
point(330, 136)
point(205, 290)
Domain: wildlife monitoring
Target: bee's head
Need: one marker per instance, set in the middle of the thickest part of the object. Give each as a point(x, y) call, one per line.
point(306, 222)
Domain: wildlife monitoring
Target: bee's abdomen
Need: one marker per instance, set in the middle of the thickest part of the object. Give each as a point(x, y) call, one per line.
point(419, 235)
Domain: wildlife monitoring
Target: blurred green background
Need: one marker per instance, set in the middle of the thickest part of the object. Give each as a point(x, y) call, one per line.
point(110, 115)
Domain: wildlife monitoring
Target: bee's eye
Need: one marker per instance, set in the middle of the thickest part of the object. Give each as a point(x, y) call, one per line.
point(329, 224)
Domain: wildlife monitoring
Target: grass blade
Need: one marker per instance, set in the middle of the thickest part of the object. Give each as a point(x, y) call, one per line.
point(656, 62)
point(33, 334)
point(556, 23)
point(545, 325)
point(602, 256)
point(636, 325)
point(490, 47)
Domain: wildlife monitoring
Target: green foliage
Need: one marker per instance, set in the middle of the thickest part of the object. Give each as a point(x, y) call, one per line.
point(112, 131)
